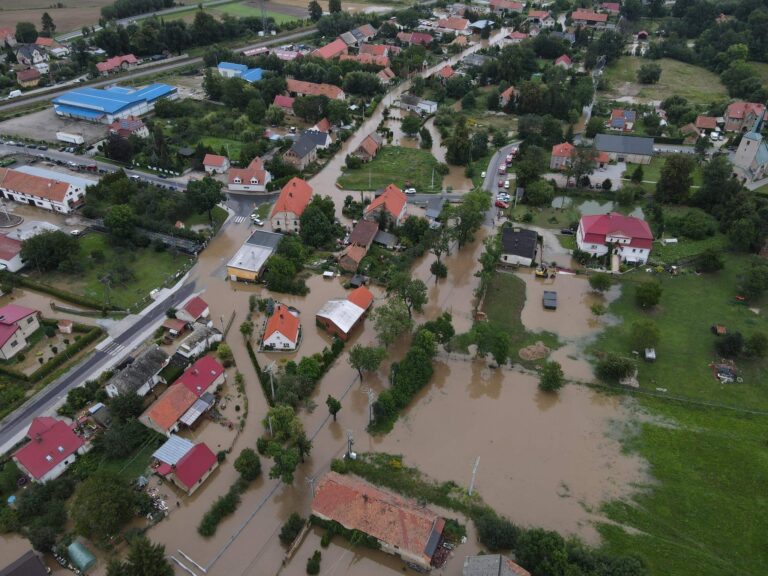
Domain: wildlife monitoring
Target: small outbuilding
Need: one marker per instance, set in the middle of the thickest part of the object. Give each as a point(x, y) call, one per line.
point(518, 246)
point(80, 556)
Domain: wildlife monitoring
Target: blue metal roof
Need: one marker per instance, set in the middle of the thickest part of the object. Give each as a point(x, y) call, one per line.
point(77, 111)
point(232, 66)
point(252, 75)
point(112, 99)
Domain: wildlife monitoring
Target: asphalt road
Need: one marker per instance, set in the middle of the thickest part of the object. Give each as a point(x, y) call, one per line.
point(45, 400)
point(21, 101)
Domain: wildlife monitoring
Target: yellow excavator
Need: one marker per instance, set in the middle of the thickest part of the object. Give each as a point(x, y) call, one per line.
point(541, 271)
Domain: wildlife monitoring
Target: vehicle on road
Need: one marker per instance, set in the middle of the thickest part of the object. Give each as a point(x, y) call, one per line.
point(502, 168)
point(14, 94)
point(410, 190)
point(482, 174)
point(502, 205)
point(76, 232)
point(256, 220)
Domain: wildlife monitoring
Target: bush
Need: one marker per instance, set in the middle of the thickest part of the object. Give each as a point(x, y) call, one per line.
point(711, 260)
point(756, 345)
point(600, 282)
point(291, 529)
point(222, 507)
point(496, 532)
point(644, 334)
point(648, 294)
point(439, 269)
point(613, 368)
point(248, 465)
point(313, 563)
point(224, 353)
point(730, 345)
point(694, 224)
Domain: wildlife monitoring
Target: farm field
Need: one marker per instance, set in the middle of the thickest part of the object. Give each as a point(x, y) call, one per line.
point(694, 83)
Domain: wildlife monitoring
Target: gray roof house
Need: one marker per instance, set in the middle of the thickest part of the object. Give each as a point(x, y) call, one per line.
point(199, 341)
point(518, 246)
point(141, 376)
point(321, 139)
point(303, 151)
point(433, 211)
point(28, 565)
point(625, 148)
point(492, 565)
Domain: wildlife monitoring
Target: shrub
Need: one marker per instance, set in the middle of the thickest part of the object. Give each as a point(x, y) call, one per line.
point(552, 378)
point(248, 465)
point(291, 529)
point(496, 532)
point(694, 224)
point(756, 345)
point(711, 260)
point(313, 563)
point(730, 345)
point(613, 368)
point(600, 282)
point(439, 269)
point(222, 507)
point(644, 334)
point(648, 294)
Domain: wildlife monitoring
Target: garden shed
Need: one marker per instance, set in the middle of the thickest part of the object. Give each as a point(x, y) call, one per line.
point(80, 556)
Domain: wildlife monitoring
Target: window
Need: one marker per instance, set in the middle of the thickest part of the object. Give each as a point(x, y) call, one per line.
point(30, 319)
point(14, 344)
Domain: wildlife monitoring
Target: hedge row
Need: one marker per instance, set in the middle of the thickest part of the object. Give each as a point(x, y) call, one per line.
point(263, 379)
point(61, 294)
point(76, 346)
point(222, 507)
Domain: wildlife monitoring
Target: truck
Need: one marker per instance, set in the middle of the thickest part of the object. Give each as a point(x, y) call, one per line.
point(69, 137)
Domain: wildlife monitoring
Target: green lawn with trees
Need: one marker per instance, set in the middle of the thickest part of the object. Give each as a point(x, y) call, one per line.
point(707, 462)
point(133, 272)
point(399, 166)
point(693, 83)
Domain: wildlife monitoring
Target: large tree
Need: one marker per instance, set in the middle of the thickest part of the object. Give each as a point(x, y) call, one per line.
point(48, 26)
point(50, 250)
point(144, 559)
point(315, 11)
point(366, 358)
point(287, 444)
point(391, 320)
point(582, 163)
point(412, 291)
point(459, 144)
point(102, 504)
point(204, 195)
point(317, 222)
point(470, 215)
point(121, 222)
point(675, 179)
point(248, 464)
point(26, 33)
point(334, 6)
point(410, 124)
point(333, 405)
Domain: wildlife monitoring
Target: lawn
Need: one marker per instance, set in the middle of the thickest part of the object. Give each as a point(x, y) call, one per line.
point(237, 9)
point(685, 248)
point(694, 83)
point(395, 165)
point(762, 71)
point(503, 304)
point(219, 216)
point(231, 147)
point(697, 516)
point(478, 118)
point(149, 270)
point(549, 217)
point(652, 171)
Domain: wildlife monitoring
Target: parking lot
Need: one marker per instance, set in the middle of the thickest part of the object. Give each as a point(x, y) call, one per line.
point(43, 125)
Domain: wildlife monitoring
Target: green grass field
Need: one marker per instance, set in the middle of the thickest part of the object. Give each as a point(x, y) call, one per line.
point(219, 216)
point(232, 147)
point(150, 270)
point(503, 304)
point(694, 83)
point(697, 516)
point(395, 165)
point(235, 8)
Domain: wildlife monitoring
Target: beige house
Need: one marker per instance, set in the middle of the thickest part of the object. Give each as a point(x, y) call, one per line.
point(290, 205)
point(17, 323)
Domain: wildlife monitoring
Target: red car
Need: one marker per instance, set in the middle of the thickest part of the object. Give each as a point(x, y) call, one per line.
point(502, 205)
point(501, 183)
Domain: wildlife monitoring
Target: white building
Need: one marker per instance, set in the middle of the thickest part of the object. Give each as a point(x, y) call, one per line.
point(253, 178)
point(282, 330)
point(630, 238)
point(49, 193)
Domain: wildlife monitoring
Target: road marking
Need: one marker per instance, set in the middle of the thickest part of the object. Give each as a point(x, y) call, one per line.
point(239, 219)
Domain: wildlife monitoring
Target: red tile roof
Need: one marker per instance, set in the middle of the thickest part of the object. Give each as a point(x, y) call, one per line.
point(9, 247)
point(393, 199)
point(741, 109)
point(116, 62)
point(517, 35)
point(414, 37)
point(386, 516)
point(506, 5)
point(453, 23)
point(706, 122)
point(312, 89)
point(194, 465)
point(195, 307)
point(366, 59)
point(294, 197)
point(597, 227)
point(174, 324)
point(283, 101)
point(284, 322)
point(564, 150)
point(47, 42)
point(201, 375)
point(540, 14)
point(385, 75)
point(38, 186)
point(51, 442)
point(28, 75)
point(323, 126)
point(564, 59)
point(446, 72)
point(614, 7)
point(126, 126)
point(214, 160)
point(254, 170)
point(588, 16)
point(508, 94)
point(361, 297)
point(332, 50)
point(370, 146)
point(12, 313)
point(363, 233)
point(374, 49)
point(171, 405)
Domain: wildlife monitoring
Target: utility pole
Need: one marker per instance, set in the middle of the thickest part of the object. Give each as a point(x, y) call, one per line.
point(371, 400)
point(474, 476)
point(350, 443)
point(311, 481)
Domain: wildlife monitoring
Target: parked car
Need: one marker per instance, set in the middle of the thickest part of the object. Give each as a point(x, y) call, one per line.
point(566, 231)
point(410, 190)
point(256, 220)
point(502, 205)
point(501, 183)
